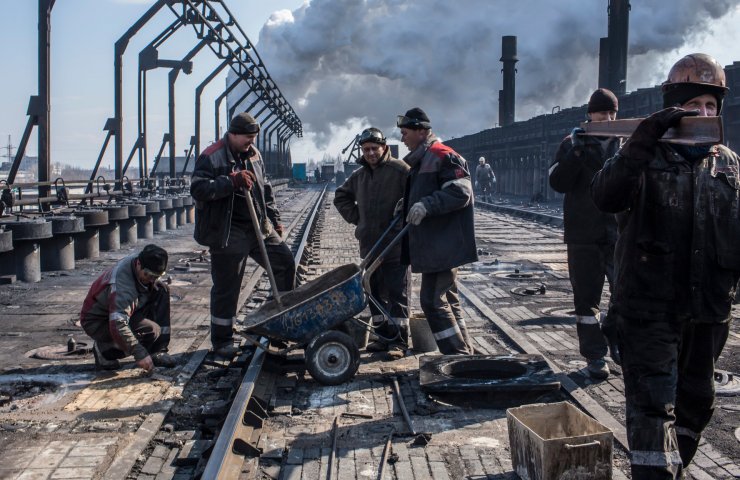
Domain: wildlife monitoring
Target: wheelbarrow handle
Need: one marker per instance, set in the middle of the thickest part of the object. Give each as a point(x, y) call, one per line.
point(374, 266)
point(369, 256)
point(263, 249)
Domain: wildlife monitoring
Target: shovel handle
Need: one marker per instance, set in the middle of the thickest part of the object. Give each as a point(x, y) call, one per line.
point(263, 249)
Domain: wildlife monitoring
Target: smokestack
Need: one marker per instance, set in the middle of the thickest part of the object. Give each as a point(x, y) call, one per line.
point(506, 96)
point(603, 62)
point(619, 19)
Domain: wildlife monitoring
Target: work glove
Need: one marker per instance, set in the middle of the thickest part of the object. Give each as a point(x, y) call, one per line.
point(279, 229)
point(243, 179)
point(577, 139)
point(417, 212)
point(398, 208)
point(641, 145)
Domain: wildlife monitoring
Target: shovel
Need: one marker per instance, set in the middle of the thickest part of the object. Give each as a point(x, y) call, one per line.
point(263, 249)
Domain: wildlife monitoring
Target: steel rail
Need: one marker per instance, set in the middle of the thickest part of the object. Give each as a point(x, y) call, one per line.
point(228, 454)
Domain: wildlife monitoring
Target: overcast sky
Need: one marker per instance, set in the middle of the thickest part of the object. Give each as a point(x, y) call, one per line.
point(345, 65)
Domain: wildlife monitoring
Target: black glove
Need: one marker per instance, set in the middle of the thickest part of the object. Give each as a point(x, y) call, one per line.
point(576, 138)
point(641, 145)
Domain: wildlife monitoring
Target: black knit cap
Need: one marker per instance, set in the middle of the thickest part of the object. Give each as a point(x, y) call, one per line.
point(154, 259)
point(414, 119)
point(244, 124)
point(603, 100)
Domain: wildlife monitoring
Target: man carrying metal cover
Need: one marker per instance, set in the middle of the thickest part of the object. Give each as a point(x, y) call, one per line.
point(368, 199)
point(224, 174)
point(484, 180)
point(677, 266)
point(127, 312)
point(590, 234)
point(438, 203)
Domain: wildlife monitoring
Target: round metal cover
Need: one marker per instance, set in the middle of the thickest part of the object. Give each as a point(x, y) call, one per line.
point(27, 229)
point(67, 224)
point(6, 240)
point(187, 200)
point(484, 369)
point(165, 203)
point(61, 352)
point(530, 290)
point(93, 218)
point(517, 275)
point(559, 312)
point(117, 212)
point(152, 206)
point(177, 202)
point(136, 210)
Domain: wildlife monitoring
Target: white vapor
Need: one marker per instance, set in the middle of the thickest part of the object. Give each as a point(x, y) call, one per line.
point(337, 61)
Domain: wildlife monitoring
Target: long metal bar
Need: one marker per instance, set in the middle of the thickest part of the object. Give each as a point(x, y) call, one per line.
point(402, 406)
point(222, 455)
point(172, 78)
point(44, 77)
point(691, 130)
point(32, 119)
point(217, 108)
point(198, 93)
point(88, 189)
point(120, 49)
point(217, 463)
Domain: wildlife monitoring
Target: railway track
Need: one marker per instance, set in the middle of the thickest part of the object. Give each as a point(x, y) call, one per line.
point(284, 425)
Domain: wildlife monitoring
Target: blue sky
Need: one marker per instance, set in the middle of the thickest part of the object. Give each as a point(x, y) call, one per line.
point(83, 35)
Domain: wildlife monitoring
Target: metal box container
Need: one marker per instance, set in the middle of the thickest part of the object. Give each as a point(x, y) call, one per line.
point(556, 441)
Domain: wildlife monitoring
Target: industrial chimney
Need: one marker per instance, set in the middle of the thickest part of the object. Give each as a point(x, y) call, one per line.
point(619, 20)
point(506, 96)
point(604, 63)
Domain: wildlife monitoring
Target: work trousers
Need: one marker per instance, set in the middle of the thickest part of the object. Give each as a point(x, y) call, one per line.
point(150, 324)
point(668, 372)
point(389, 285)
point(439, 302)
point(227, 272)
point(588, 265)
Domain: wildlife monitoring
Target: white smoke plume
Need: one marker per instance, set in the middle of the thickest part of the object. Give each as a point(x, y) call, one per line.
point(373, 59)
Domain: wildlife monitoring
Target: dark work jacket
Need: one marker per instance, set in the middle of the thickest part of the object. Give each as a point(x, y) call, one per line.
point(214, 195)
point(678, 251)
point(368, 197)
point(572, 175)
point(445, 238)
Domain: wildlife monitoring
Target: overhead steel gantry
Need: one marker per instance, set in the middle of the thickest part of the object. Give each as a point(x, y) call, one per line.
point(214, 27)
point(219, 30)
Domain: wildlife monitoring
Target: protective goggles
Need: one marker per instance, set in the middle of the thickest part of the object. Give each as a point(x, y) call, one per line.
point(374, 136)
point(402, 121)
point(151, 274)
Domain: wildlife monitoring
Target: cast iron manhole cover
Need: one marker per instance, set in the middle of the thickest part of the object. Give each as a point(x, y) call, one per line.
point(559, 312)
point(517, 275)
point(79, 351)
point(530, 290)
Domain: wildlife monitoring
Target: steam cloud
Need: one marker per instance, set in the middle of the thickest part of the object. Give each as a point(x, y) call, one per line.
point(341, 61)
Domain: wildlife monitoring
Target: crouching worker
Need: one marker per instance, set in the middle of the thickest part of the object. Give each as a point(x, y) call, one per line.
point(127, 312)
point(368, 199)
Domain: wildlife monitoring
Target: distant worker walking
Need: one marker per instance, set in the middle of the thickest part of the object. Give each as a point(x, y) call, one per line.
point(127, 312)
point(224, 174)
point(485, 180)
point(367, 199)
point(438, 203)
point(590, 234)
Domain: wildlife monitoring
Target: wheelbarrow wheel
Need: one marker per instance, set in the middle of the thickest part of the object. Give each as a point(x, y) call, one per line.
point(332, 357)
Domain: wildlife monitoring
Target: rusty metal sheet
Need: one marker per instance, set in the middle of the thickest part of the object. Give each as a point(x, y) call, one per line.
point(691, 130)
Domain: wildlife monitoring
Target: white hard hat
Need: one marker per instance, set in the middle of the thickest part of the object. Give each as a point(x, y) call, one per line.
point(482, 159)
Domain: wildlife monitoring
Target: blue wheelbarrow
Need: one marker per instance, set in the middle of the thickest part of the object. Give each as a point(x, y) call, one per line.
point(308, 316)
